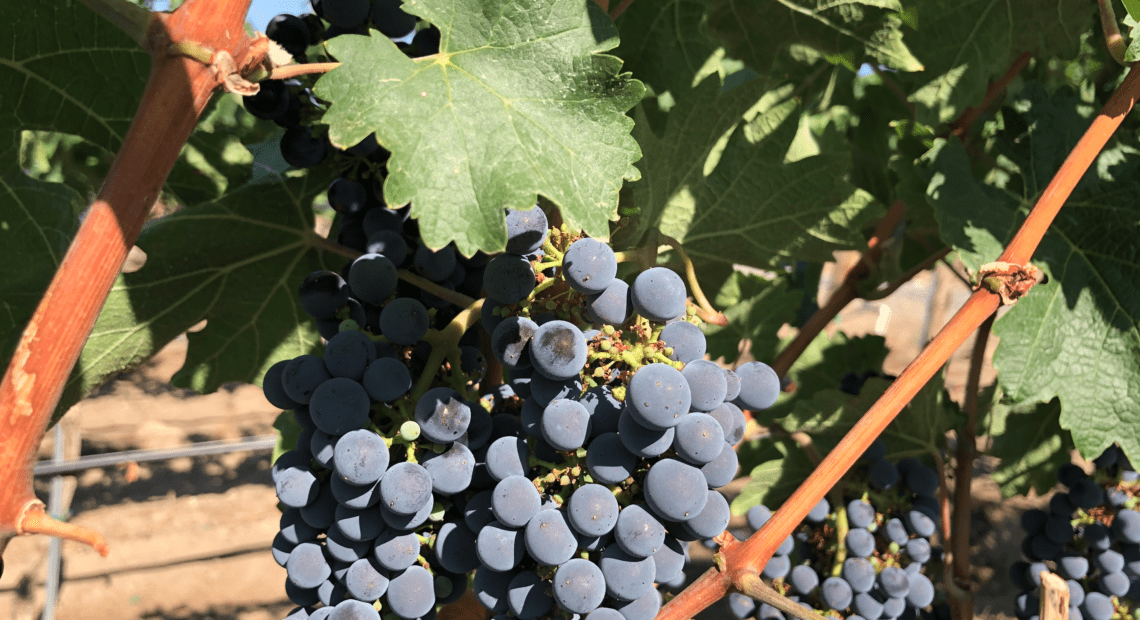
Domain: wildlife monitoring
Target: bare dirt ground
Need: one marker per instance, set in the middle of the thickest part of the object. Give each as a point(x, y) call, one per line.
point(190, 537)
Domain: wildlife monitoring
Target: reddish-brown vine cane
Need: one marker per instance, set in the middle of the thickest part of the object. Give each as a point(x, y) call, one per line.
point(177, 92)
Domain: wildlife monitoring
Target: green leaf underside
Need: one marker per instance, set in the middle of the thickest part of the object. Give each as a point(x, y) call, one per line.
point(236, 263)
point(756, 309)
point(663, 43)
point(288, 431)
point(824, 362)
point(56, 63)
point(1074, 337)
point(37, 222)
point(922, 425)
point(517, 103)
point(965, 43)
point(717, 180)
point(852, 30)
point(1031, 445)
point(782, 467)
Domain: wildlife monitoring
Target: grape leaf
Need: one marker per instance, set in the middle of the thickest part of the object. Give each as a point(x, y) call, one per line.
point(57, 62)
point(848, 32)
point(717, 180)
point(829, 414)
point(922, 425)
point(823, 363)
point(518, 102)
point(782, 467)
point(965, 43)
point(756, 309)
point(235, 263)
point(664, 44)
point(1074, 337)
point(37, 222)
point(288, 431)
point(1031, 445)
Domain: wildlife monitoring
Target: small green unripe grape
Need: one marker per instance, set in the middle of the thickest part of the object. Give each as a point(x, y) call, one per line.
point(550, 305)
point(564, 481)
point(605, 346)
point(690, 311)
point(442, 587)
point(893, 547)
point(618, 393)
point(565, 307)
point(608, 330)
point(410, 430)
point(348, 324)
point(379, 606)
point(667, 351)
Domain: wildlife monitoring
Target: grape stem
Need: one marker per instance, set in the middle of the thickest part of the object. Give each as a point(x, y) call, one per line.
point(706, 311)
point(962, 603)
point(757, 550)
point(961, 125)
point(446, 294)
point(1112, 39)
point(292, 71)
point(845, 294)
point(131, 18)
point(442, 342)
point(750, 584)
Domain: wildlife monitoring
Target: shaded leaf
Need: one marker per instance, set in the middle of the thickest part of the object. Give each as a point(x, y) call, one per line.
point(517, 103)
point(717, 181)
point(781, 467)
point(664, 44)
point(287, 433)
point(237, 264)
point(756, 309)
point(965, 43)
point(1075, 337)
point(922, 425)
point(1031, 445)
point(823, 363)
point(37, 222)
point(829, 414)
point(849, 32)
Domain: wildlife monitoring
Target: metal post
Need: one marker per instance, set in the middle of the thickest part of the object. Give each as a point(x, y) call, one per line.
point(51, 587)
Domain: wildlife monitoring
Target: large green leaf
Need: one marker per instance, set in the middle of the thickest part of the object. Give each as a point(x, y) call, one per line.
point(756, 309)
point(849, 31)
point(37, 222)
point(1075, 337)
point(517, 103)
point(64, 68)
point(782, 467)
point(965, 43)
point(235, 263)
point(823, 364)
point(718, 181)
point(664, 44)
point(922, 425)
point(1031, 444)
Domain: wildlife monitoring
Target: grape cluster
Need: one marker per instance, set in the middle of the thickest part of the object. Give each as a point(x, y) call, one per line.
point(864, 560)
point(1090, 536)
point(573, 487)
point(289, 103)
point(626, 432)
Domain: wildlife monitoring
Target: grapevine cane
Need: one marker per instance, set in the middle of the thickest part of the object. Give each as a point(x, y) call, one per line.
point(177, 92)
point(757, 550)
